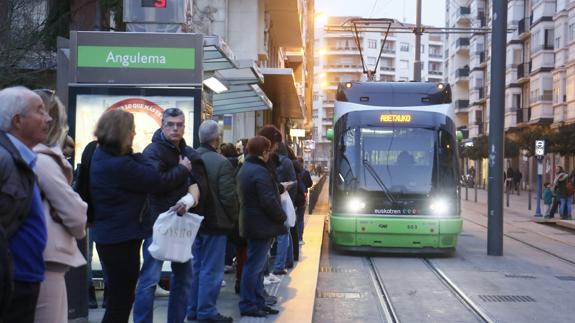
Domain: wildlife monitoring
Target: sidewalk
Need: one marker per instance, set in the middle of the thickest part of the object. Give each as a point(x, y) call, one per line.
point(518, 205)
point(295, 292)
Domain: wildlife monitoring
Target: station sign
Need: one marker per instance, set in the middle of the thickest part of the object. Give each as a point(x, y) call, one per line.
point(136, 58)
point(539, 149)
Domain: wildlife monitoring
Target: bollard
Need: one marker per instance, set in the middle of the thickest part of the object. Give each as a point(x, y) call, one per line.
point(475, 193)
point(507, 196)
point(529, 197)
point(466, 192)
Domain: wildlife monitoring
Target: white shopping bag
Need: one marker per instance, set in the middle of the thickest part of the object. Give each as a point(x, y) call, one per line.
point(289, 210)
point(174, 235)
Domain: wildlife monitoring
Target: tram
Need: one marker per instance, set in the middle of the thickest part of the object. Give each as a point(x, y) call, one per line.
point(394, 179)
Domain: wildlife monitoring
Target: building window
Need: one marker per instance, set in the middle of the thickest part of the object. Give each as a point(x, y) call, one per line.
point(404, 64)
point(548, 39)
point(371, 60)
point(404, 47)
point(372, 43)
point(423, 49)
point(571, 32)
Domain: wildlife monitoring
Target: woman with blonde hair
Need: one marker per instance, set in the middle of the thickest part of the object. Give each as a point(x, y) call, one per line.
point(120, 182)
point(65, 214)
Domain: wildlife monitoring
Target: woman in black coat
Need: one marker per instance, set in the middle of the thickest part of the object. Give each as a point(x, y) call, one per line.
point(261, 220)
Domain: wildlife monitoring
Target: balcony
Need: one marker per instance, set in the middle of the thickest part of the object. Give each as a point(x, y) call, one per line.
point(463, 14)
point(436, 72)
point(461, 105)
point(481, 92)
point(462, 72)
point(523, 115)
point(462, 44)
point(542, 98)
point(387, 68)
point(523, 71)
point(436, 55)
point(523, 27)
point(387, 50)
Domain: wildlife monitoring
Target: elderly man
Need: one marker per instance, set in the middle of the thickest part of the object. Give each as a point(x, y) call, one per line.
point(210, 246)
point(23, 125)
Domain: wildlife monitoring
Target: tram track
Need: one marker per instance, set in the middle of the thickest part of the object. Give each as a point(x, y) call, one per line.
point(386, 304)
point(458, 293)
point(386, 307)
point(545, 251)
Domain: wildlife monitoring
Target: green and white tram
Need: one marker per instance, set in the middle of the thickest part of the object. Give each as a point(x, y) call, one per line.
point(394, 178)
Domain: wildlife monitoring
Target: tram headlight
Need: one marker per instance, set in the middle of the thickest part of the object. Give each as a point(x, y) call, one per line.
point(439, 206)
point(355, 204)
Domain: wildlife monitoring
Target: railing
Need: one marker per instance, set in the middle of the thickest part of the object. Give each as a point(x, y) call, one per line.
point(462, 42)
point(462, 104)
point(481, 91)
point(435, 55)
point(388, 50)
point(462, 72)
point(387, 68)
point(314, 192)
point(432, 72)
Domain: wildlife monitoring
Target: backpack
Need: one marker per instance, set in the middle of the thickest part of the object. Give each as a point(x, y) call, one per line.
point(569, 188)
point(82, 178)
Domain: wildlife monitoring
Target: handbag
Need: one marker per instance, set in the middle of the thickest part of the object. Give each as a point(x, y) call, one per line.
point(289, 210)
point(174, 235)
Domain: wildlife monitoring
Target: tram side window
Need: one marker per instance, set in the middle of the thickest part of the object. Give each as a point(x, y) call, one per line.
point(347, 160)
point(447, 164)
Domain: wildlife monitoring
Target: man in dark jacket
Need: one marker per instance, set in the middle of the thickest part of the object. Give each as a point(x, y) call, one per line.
point(166, 150)
point(210, 245)
point(23, 125)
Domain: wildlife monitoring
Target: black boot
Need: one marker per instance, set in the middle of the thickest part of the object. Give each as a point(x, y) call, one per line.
point(92, 301)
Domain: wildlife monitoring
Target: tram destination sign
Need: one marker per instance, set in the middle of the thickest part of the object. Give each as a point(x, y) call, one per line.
point(136, 58)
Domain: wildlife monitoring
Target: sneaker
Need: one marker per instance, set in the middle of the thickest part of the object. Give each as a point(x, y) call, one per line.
point(218, 318)
point(267, 281)
point(301, 243)
point(161, 292)
point(223, 283)
point(228, 269)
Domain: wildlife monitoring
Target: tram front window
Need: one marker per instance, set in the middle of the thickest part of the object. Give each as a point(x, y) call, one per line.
point(397, 160)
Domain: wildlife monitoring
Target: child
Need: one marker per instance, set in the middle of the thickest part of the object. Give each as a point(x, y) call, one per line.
point(547, 198)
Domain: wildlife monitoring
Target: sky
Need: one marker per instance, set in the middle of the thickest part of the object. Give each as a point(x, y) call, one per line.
point(432, 12)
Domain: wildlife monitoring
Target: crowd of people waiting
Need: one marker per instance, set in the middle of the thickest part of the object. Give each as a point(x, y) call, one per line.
point(119, 194)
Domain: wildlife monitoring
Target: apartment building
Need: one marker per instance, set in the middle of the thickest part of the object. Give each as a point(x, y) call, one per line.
point(337, 59)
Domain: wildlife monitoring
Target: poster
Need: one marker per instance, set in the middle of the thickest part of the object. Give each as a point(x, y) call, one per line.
point(147, 112)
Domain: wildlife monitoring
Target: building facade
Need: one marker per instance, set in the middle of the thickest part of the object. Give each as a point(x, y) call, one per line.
point(337, 59)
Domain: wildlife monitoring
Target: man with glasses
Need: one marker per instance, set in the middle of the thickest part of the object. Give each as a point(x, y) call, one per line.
point(168, 147)
point(23, 124)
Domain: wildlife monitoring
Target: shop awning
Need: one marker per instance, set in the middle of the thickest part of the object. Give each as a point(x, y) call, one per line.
point(244, 93)
point(217, 54)
point(280, 87)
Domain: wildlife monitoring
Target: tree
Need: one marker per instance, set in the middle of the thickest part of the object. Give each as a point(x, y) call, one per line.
point(562, 140)
point(476, 151)
point(511, 148)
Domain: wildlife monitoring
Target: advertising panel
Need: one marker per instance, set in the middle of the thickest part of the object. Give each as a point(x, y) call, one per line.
point(146, 107)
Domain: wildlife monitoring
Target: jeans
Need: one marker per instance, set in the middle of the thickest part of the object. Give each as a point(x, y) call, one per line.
point(284, 252)
point(252, 284)
point(208, 271)
point(565, 207)
point(22, 305)
point(122, 264)
point(150, 274)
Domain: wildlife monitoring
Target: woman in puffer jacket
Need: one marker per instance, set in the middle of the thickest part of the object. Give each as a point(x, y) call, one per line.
point(65, 215)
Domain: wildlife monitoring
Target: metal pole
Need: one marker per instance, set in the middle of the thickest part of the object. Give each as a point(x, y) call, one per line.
point(496, 119)
point(475, 183)
point(539, 174)
point(417, 63)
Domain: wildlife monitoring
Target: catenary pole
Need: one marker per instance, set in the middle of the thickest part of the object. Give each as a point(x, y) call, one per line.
point(417, 63)
point(496, 124)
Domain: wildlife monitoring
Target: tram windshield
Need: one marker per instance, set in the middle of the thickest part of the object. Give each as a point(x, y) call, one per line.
point(396, 160)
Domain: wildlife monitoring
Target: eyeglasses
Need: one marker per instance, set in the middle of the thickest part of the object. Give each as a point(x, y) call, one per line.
point(177, 125)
